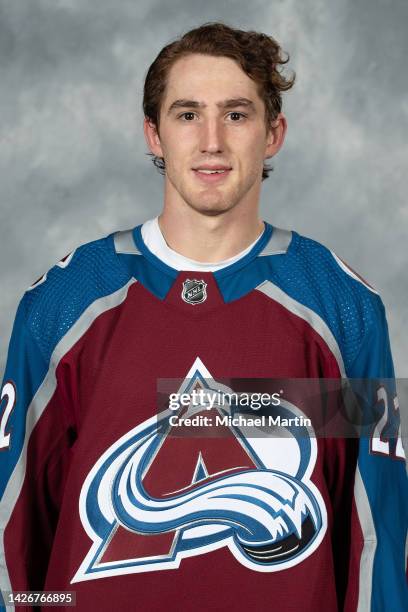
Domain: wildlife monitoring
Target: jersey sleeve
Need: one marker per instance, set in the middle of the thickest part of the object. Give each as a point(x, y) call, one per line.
point(379, 518)
point(34, 455)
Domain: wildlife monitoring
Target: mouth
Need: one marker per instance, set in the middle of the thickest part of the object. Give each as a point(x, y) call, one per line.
point(212, 175)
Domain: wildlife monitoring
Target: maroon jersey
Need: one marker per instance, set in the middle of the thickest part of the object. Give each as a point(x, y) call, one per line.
point(106, 493)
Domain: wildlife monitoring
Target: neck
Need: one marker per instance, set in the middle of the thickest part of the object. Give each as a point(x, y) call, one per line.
point(208, 238)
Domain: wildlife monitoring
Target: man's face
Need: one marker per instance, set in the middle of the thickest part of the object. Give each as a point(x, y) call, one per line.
point(212, 134)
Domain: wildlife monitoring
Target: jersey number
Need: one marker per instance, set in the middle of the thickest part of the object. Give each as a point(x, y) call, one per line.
point(9, 391)
point(380, 445)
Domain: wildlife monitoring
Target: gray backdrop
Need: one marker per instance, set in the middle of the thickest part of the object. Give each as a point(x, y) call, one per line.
point(73, 162)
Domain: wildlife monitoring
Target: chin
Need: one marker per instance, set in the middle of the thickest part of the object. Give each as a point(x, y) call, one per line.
point(211, 204)
point(211, 208)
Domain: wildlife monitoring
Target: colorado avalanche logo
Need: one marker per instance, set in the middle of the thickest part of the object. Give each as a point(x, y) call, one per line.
point(144, 509)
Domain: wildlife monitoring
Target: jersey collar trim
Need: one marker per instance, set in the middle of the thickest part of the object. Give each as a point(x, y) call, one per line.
point(158, 263)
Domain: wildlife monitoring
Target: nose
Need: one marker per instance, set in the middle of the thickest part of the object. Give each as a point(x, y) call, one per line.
point(211, 137)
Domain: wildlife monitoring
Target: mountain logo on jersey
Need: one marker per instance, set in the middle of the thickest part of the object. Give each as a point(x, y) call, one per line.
point(153, 499)
point(194, 291)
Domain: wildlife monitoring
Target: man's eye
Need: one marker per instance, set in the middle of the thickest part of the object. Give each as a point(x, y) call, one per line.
point(189, 116)
point(235, 116)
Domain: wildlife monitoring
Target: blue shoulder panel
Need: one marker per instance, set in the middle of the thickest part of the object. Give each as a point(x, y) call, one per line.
point(54, 305)
point(309, 274)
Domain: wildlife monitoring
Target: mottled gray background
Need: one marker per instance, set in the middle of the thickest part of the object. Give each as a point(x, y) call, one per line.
point(73, 162)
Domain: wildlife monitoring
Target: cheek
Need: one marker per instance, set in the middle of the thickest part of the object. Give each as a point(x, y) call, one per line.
point(176, 148)
point(250, 146)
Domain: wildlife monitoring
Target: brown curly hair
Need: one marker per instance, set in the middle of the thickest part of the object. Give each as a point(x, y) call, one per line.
point(258, 55)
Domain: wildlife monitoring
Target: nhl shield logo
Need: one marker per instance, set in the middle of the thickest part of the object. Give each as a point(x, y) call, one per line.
point(194, 291)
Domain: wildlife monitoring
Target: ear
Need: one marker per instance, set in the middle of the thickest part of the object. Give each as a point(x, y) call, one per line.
point(152, 137)
point(276, 136)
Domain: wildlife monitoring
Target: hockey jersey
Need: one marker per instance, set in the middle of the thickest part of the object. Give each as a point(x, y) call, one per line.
point(97, 497)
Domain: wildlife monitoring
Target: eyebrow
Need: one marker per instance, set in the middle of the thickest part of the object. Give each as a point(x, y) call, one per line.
point(230, 103)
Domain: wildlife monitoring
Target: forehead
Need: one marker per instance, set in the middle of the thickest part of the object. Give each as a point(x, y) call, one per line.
point(208, 78)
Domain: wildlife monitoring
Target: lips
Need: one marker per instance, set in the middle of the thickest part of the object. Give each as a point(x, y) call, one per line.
point(214, 171)
point(211, 174)
point(207, 168)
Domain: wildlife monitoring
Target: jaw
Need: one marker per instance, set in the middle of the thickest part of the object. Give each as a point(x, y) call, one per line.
point(184, 189)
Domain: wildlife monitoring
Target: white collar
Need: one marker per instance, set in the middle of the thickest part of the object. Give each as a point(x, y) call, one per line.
point(155, 242)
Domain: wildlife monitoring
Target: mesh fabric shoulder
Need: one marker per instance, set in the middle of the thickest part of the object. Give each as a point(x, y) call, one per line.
point(53, 306)
point(310, 274)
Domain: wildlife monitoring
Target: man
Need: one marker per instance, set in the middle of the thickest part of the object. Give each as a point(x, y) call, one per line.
point(100, 494)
